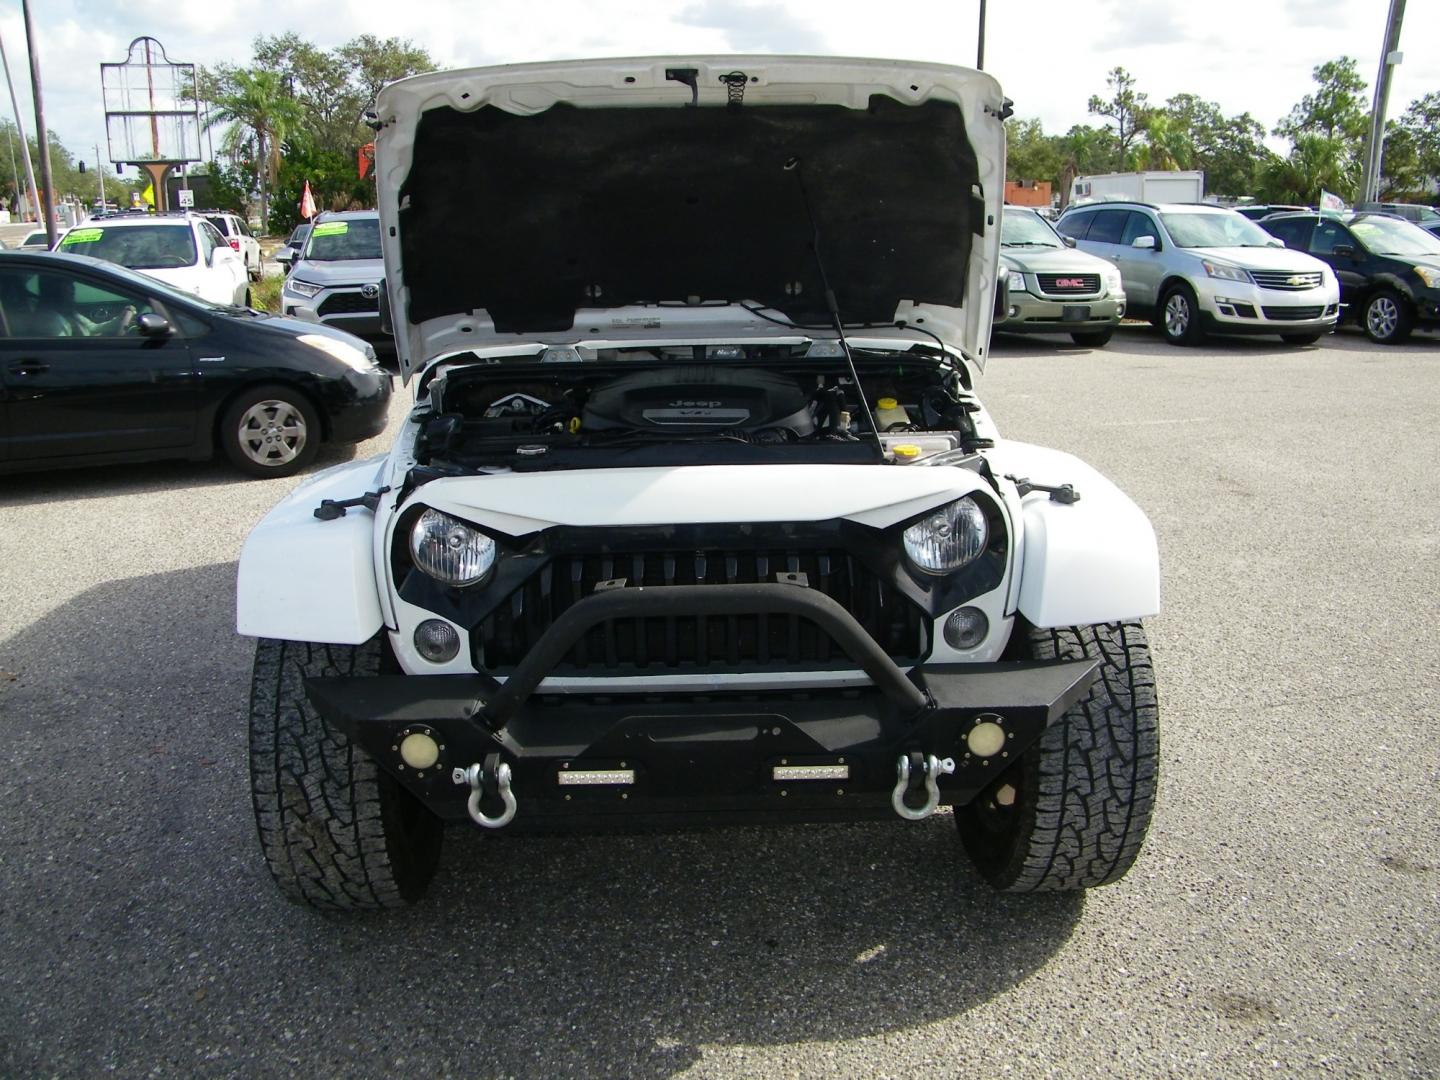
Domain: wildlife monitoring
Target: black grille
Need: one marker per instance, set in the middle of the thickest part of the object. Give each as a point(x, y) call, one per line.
point(716, 642)
point(348, 304)
point(1051, 284)
point(1292, 314)
point(1286, 279)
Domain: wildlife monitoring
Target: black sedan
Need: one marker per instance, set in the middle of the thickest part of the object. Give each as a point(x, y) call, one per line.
point(100, 364)
point(1389, 269)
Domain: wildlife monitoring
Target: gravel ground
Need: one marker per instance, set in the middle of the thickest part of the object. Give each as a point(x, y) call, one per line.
point(1282, 918)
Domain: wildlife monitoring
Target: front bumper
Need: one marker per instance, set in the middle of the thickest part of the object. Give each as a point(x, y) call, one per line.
point(1233, 307)
point(1030, 314)
point(820, 755)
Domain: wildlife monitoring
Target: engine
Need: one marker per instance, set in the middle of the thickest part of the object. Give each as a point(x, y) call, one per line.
point(700, 399)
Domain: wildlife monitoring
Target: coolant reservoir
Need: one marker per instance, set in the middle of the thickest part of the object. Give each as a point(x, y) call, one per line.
point(889, 411)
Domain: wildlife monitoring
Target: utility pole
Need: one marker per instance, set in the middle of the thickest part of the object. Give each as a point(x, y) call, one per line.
point(42, 138)
point(100, 178)
point(20, 127)
point(980, 41)
point(1390, 55)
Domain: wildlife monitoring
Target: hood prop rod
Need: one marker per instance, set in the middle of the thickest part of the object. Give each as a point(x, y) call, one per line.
point(795, 165)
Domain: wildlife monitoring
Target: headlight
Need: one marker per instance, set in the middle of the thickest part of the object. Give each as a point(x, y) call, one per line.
point(1430, 277)
point(1114, 283)
point(301, 288)
point(1226, 271)
point(948, 538)
point(346, 354)
point(1017, 281)
point(450, 551)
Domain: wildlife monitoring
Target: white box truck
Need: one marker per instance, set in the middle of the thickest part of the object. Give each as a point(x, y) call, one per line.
point(1151, 187)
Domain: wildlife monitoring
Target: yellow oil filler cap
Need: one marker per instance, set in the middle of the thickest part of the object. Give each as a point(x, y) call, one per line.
point(905, 451)
point(886, 403)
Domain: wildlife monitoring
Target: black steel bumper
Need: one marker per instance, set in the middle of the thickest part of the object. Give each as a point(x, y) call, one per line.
point(707, 755)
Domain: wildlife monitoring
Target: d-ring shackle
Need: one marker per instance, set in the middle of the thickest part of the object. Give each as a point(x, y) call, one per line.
point(932, 767)
point(475, 777)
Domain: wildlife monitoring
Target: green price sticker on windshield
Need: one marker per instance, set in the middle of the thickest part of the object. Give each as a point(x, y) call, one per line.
point(332, 228)
point(82, 236)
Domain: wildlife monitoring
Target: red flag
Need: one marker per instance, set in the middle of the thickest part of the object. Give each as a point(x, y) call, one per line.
point(307, 203)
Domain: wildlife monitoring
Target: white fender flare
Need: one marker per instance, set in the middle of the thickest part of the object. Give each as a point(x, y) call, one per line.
point(303, 579)
point(1091, 561)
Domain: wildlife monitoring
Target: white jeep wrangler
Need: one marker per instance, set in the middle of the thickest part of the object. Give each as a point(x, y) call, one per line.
point(697, 516)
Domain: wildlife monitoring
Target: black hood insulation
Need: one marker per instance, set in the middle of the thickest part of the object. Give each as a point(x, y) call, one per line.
point(533, 217)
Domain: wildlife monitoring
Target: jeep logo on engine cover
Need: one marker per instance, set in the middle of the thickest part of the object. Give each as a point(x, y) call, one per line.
point(696, 404)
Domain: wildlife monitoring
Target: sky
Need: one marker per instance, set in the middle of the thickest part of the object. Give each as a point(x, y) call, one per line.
point(1049, 55)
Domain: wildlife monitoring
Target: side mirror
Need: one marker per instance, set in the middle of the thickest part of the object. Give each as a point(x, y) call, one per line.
point(1147, 243)
point(1345, 251)
point(386, 325)
point(285, 255)
point(151, 325)
point(1274, 241)
point(1069, 241)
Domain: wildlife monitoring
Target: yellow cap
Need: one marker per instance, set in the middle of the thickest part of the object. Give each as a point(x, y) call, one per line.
point(905, 450)
point(886, 403)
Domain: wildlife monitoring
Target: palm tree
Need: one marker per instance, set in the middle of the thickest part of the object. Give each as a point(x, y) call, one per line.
point(256, 105)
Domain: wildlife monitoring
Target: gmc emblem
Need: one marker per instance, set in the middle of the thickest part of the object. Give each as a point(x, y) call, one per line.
point(1069, 283)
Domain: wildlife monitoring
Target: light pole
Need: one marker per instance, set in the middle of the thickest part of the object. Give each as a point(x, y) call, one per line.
point(24, 142)
point(1389, 56)
point(980, 41)
point(42, 137)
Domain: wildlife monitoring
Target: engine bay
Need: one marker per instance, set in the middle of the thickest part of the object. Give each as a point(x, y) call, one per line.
point(694, 405)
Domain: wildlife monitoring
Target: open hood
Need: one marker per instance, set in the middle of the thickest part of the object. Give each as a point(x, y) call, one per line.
point(645, 200)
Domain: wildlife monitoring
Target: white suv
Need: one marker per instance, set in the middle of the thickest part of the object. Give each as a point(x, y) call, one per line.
point(237, 234)
point(183, 250)
point(1195, 269)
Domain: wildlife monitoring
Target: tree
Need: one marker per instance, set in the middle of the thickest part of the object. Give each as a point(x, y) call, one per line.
point(1230, 151)
point(257, 108)
point(1030, 154)
point(1420, 126)
point(1316, 163)
point(375, 62)
point(1126, 108)
point(1336, 110)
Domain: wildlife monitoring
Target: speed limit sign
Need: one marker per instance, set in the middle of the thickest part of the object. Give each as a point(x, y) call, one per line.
point(187, 198)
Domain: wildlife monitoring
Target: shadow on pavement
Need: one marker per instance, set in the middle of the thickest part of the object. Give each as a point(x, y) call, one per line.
point(142, 932)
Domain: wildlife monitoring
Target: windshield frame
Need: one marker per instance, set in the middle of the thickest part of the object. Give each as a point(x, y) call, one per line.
point(1171, 218)
point(307, 253)
point(1021, 213)
point(1408, 230)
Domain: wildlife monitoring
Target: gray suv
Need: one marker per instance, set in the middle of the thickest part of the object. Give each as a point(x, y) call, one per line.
point(336, 279)
point(1195, 269)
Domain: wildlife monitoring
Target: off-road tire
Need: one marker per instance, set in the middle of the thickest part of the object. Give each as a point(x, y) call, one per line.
point(1388, 318)
point(1081, 798)
point(1301, 339)
point(1093, 339)
point(336, 831)
point(1180, 326)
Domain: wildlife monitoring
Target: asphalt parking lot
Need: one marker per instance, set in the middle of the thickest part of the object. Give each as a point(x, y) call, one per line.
point(1282, 918)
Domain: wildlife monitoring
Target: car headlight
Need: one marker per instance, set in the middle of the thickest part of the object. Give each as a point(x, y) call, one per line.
point(348, 355)
point(1017, 281)
point(302, 288)
point(948, 538)
point(1114, 283)
point(450, 551)
point(1226, 271)
point(1430, 277)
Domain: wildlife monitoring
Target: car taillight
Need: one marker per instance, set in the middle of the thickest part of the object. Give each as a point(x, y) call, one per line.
point(235, 243)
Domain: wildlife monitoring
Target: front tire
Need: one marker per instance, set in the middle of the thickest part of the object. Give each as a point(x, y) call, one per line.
point(1388, 318)
point(1072, 812)
point(336, 831)
point(1093, 339)
point(1179, 316)
point(270, 431)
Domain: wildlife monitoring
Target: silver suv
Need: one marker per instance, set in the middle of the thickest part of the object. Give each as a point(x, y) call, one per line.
point(1195, 269)
point(336, 278)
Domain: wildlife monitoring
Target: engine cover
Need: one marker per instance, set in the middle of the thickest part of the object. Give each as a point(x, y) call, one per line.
point(700, 399)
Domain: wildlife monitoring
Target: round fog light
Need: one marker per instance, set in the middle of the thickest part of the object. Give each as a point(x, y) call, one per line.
point(966, 628)
point(985, 739)
point(437, 641)
point(419, 751)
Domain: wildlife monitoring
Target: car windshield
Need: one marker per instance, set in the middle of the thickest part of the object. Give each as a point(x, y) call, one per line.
point(344, 241)
point(1022, 228)
point(1390, 236)
point(140, 247)
point(1204, 230)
